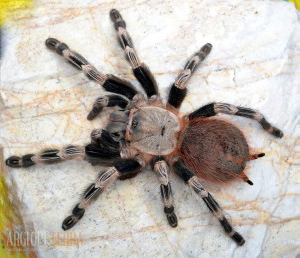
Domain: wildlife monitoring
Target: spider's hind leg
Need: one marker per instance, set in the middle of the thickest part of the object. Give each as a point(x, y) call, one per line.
point(140, 70)
point(213, 109)
point(193, 181)
point(121, 168)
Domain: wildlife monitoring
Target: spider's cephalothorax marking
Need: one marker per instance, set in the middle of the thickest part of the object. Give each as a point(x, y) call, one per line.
point(215, 150)
point(153, 130)
point(146, 131)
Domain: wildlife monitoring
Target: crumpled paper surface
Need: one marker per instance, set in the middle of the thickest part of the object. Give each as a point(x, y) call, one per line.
point(254, 63)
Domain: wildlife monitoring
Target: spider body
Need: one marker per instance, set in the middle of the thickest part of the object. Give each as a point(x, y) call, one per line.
point(216, 150)
point(145, 131)
point(153, 130)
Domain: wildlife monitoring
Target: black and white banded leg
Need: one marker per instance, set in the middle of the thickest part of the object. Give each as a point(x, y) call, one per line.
point(140, 70)
point(178, 90)
point(109, 82)
point(193, 181)
point(90, 152)
point(213, 109)
point(121, 169)
point(161, 167)
point(106, 101)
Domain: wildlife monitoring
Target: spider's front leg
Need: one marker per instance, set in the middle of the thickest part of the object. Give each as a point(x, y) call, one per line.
point(193, 181)
point(178, 90)
point(109, 82)
point(213, 109)
point(123, 168)
point(161, 167)
point(140, 70)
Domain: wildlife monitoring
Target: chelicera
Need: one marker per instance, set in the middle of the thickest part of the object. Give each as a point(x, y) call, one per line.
point(145, 131)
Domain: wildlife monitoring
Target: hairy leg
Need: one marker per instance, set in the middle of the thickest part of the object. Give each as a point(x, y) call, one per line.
point(161, 167)
point(213, 109)
point(122, 168)
point(193, 181)
point(178, 90)
point(92, 153)
point(109, 82)
point(140, 70)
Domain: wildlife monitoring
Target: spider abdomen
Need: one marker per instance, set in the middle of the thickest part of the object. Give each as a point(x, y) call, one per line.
point(214, 149)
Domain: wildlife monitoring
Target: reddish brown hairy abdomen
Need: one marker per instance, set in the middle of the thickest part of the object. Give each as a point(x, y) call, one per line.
point(214, 149)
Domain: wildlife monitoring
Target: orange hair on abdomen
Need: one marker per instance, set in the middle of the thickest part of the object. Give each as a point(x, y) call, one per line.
point(214, 149)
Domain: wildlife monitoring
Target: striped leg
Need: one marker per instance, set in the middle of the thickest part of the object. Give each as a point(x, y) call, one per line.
point(90, 152)
point(178, 90)
point(106, 101)
point(161, 167)
point(109, 82)
point(140, 70)
point(193, 181)
point(213, 109)
point(122, 168)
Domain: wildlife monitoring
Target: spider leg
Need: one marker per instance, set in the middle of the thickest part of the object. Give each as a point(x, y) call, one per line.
point(106, 101)
point(92, 153)
point(178, 90)
point(109, 82)
point(215, 108)
point(124, 167)
point(161, 167)
point(140, 70)
point(193, 181)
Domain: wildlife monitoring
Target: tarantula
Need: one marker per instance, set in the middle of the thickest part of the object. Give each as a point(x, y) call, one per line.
point(147, 132)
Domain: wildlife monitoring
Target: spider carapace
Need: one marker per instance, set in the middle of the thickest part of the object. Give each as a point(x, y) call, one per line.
point(145, 131)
